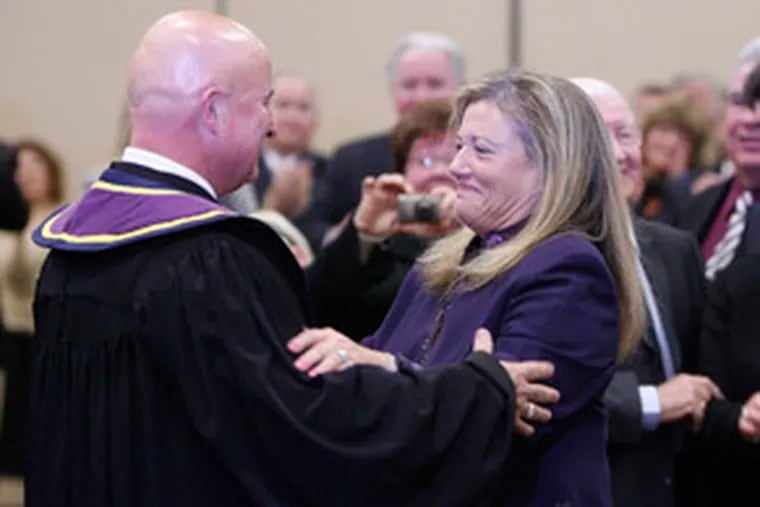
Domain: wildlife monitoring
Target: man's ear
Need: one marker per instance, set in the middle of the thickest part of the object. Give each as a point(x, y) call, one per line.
point(214, 111)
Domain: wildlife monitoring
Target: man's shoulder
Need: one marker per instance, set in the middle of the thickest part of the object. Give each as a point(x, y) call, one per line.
point(663, 233)
point(711, 193)
point(379, 142)
point(703, 205)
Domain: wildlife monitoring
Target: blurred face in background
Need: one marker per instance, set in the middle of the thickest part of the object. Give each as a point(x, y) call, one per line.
point(293, 114)
point(33, 177)
point(702, 95)
point(421, 75)
point(742, 133)
point(428, 160)
point(666, 151)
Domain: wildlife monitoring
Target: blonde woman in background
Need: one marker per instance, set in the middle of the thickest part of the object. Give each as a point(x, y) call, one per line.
point(39, 179)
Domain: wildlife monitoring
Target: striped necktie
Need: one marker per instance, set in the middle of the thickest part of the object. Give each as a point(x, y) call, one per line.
point(725, 250)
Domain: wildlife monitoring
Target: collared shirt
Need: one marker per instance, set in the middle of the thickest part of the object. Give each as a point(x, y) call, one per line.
point(163, 164)
point(276, 162)
point(651, 410)
point(719, 227)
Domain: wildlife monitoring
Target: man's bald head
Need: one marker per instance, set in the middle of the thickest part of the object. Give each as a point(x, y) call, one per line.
point(198, 90)
point(184, 52)
point(624, 133)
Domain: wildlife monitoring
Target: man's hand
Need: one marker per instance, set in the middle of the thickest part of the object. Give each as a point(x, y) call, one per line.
point(749, 421)
point(290, 190)
point(686, 396)
point(530, 394)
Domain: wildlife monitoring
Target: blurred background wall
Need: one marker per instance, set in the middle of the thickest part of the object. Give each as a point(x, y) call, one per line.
point(64, 64)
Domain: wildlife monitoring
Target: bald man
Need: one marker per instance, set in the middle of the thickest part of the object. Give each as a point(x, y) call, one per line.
point(161, 375)
point(649, 400)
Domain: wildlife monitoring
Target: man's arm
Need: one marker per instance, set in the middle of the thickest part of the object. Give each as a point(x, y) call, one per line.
point(381, 435)
point(623, 399)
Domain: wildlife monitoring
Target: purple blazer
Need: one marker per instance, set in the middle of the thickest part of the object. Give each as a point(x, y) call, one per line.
point(558, 304)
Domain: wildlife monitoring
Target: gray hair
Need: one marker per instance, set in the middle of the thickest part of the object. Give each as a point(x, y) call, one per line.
point(288, 74)
point(433, 42)
point(748, 54)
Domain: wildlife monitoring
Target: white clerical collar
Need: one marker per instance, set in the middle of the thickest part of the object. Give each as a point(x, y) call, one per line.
point(157, 162)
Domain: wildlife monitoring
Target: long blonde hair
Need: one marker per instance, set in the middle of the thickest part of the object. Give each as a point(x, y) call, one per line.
point(566, 139)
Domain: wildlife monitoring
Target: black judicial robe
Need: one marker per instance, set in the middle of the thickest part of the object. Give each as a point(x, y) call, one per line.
point(161, 376)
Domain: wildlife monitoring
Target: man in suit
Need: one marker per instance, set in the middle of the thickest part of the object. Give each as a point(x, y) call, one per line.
point(13, 210)
point(728, 443)
point(423, 66)
point(726, 218)
point(648, 399)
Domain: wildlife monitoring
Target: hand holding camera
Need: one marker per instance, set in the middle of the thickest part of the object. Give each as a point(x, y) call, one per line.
point(389, 205)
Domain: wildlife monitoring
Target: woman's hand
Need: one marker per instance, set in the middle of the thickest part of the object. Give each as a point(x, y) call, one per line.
point(326, 350)
point(749, 421)
point(377, 214)
point(448, 220)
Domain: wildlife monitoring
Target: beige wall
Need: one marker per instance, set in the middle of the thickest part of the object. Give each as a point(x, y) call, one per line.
point(64, 63)
point(343, 45)
point(631, 41)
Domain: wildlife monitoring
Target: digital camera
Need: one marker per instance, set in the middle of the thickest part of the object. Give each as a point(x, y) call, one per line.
point(419, 208)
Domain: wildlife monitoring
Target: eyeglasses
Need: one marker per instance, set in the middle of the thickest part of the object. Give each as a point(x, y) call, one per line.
point(428, 160)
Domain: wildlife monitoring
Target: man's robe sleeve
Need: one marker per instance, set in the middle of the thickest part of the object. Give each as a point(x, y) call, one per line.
point(359, 437)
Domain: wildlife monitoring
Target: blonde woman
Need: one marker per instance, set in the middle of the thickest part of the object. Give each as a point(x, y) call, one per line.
point(546, 262)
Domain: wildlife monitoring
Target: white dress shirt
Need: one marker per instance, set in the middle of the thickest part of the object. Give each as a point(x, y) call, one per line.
point(153, 160)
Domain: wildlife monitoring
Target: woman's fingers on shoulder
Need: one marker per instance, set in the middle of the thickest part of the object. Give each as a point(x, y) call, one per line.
point(307, 338)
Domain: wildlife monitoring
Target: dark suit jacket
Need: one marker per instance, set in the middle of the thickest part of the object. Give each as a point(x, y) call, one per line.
point(264, 179)
point(642, 461)
point(13, 210)
point(702, 210)
point(672, 196)
point(730, 355)
point(340, 190)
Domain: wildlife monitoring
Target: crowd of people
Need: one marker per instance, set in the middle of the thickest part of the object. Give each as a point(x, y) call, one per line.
point(529, 291)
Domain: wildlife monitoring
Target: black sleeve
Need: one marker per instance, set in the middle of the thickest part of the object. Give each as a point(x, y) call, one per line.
point(335, 283)
point(719, 428)
point(623, 403)
point(695, 295)
point(380, 438)
point(332, 197)
point(13, 210)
